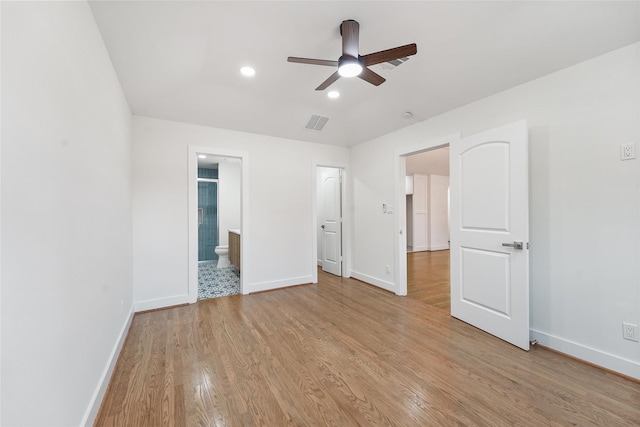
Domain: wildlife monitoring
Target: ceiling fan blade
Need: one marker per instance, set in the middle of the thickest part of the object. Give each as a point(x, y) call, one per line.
point(389, 54)
point(371, 77)
point(332, 78)
point(313, 61)
point(350, 30)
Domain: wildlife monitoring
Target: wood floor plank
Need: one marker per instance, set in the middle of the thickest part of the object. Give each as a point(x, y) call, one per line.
point(428, 278)
point(344, 353)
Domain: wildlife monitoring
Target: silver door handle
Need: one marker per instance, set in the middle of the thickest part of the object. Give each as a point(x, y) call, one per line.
point(322, 226)
point(514, 245)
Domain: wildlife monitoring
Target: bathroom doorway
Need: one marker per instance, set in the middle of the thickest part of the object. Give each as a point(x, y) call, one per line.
point(218, 223)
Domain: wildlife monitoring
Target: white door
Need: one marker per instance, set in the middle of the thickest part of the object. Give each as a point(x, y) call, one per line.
point(490, 232)
point(331, 220)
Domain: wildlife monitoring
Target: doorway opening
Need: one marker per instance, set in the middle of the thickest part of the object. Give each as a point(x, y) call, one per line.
point(427, 227)
point(216, 190)
point(329, 224)
point(218, 221)
point(489, 231)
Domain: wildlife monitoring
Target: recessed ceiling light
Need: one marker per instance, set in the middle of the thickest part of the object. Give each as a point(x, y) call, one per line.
point(247, 71)
point(202, 156)
point(333, 94)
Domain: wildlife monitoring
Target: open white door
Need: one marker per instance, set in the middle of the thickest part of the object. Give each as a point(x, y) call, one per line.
point(490, 232)
point(331, 221)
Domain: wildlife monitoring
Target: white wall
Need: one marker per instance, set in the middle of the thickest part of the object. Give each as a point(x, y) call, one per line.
point(438, 212)
point(66, 214)
point(584, 202)
point(229, 180)
point(278, 239)
point(0, 217)
point(427, 213)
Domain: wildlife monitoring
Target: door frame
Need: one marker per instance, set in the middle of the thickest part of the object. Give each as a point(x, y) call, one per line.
point(346, 218)
point(400, 172)
point(192, 200)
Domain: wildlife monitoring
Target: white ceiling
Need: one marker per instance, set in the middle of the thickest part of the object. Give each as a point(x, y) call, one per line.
point(432, 162)
point(180, 60)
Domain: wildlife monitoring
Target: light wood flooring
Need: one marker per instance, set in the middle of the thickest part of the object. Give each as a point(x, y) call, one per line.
point(428, 278)
point(344, 353)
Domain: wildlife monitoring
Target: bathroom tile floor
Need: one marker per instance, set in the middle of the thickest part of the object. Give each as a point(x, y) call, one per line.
point(217, 282)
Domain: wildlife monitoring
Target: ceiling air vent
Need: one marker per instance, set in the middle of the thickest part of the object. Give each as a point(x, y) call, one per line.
point(316, 122)
point(391, 65)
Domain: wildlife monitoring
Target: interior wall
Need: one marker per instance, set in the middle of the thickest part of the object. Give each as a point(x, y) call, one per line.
point(584, 201)
point(229, 191)
point(438, 212)
point(278, 239)
point(66, 214)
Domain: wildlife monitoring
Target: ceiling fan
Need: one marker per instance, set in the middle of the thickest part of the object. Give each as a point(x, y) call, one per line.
point(351, 64)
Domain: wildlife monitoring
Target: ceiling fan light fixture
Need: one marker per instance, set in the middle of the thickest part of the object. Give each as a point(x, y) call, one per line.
point(351, 63)
point(349, 66)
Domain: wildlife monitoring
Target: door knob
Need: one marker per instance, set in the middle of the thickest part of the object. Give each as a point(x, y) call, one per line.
point(514, 245)
point(322, 226)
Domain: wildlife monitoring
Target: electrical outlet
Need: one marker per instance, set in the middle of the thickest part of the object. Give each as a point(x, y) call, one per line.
point(627, 151)
point(388, 269)
point(629, 331)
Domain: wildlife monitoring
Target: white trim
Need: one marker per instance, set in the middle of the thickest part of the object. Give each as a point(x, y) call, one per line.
point(96, 400)
point(597, 357)
point(439, 248)
point(0, 222)
point(391, 287)
point(346, 219)
point(192, 189)
point(277, 284)
point(400, 172)
point(153, 304)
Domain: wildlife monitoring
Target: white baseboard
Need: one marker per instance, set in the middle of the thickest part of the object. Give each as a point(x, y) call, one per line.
point(96, 400)
point(152, 304)
point(439, 247)
point(277, 284)
point(375, 281)
point(612, 362)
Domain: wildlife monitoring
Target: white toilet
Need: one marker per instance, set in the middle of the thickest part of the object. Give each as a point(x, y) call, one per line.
point(223, 256)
